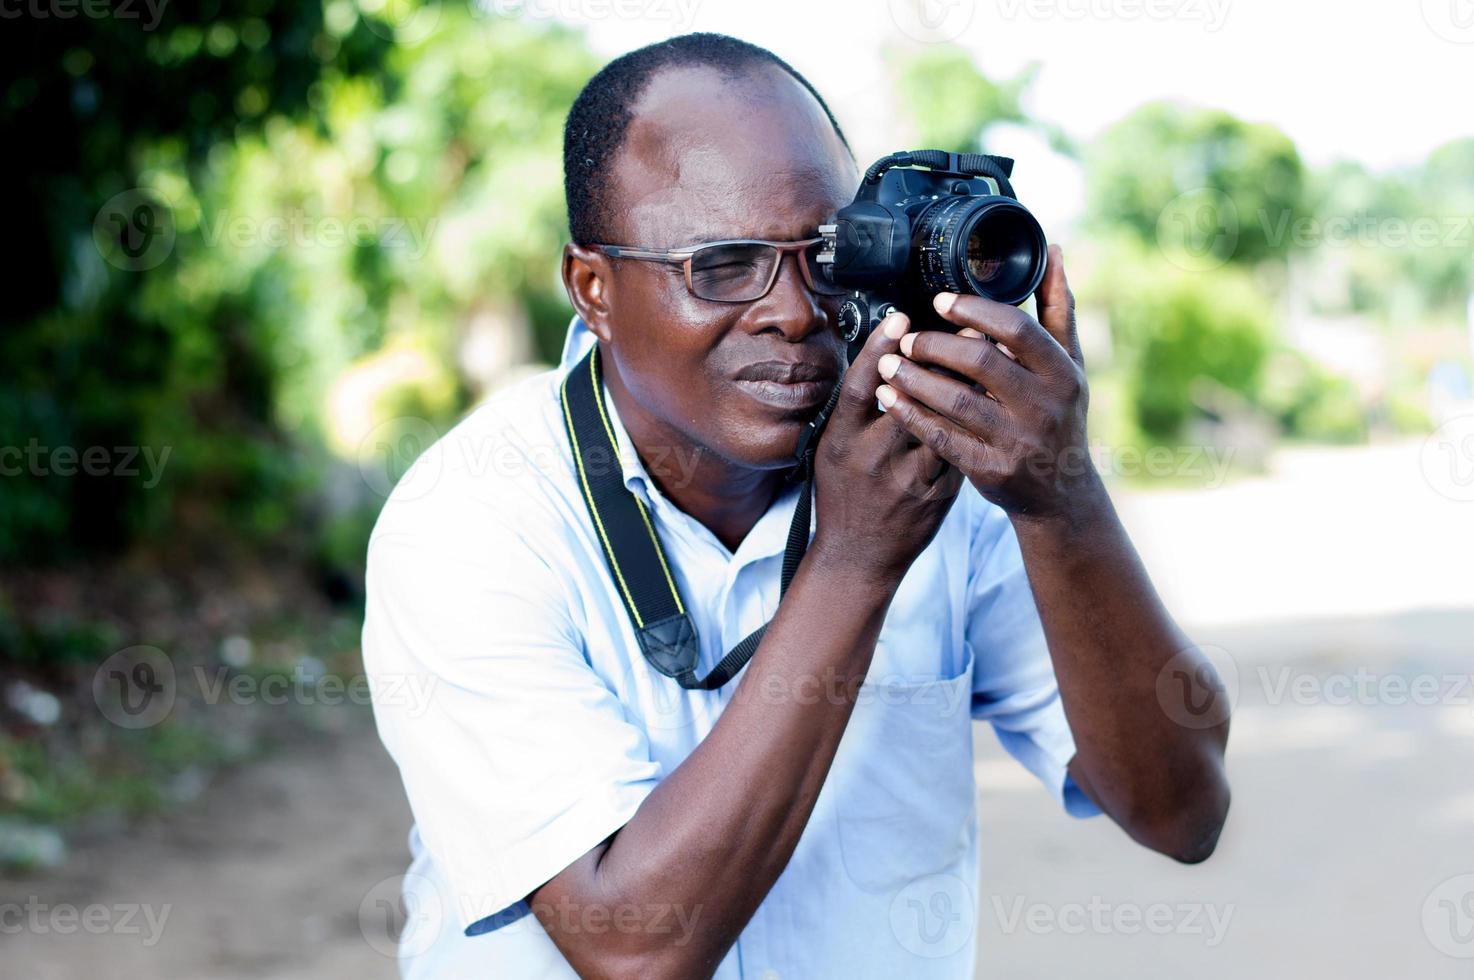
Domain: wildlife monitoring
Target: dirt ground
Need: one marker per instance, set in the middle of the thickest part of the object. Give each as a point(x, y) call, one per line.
point(1350, 831)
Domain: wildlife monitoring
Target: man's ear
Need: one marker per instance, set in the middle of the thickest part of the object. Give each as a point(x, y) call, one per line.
point(586, 277)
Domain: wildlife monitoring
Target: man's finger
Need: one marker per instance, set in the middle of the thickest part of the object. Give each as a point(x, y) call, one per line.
point(857, 396)
point(940, 435)
point(1031, 344)
point(964, 403)
point(971, 355)
point(1056, 305)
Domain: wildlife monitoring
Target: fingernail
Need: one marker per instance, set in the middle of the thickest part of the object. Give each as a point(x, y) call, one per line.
point(906, 343)
point(970, 332)
point(888, 365)
point(894, 326)
point(943, 302)
point(886, 394)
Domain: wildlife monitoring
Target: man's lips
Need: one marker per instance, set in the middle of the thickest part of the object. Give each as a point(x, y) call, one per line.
point(788, 385)
point(787, 372)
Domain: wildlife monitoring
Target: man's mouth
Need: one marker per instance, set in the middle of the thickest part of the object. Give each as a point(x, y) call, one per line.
point(792, 386)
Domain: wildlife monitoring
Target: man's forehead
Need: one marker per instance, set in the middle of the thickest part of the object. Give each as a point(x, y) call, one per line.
point(708, 156)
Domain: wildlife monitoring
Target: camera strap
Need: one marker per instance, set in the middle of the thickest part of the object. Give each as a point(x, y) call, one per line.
point(663, 626)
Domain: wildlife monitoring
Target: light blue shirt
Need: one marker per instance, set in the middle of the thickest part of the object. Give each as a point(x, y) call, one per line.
point(544, 729)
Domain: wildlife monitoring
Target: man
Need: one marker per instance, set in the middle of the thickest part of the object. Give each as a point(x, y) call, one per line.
point(579, 812)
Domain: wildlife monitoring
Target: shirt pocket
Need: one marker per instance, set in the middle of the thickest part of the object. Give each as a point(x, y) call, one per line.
point(902, 779)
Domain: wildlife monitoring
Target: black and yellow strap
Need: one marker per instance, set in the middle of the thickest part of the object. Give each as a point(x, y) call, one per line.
point(665, 630)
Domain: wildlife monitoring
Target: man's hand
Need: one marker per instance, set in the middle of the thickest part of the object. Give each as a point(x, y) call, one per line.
point(1018, 430)
point(870, 474)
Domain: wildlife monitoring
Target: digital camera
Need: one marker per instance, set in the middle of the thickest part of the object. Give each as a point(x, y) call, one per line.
point(925, 222)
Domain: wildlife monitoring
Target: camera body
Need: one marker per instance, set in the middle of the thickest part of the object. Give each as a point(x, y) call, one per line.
point(912, 233)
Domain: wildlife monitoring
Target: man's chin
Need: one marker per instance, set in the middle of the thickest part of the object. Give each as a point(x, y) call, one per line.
point(772, 445)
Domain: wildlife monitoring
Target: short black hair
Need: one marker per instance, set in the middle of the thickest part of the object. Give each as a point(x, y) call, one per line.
point(601, 115)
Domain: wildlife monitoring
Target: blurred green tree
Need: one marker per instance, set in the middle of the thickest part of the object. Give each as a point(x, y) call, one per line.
point(1200, 184)
point(261, 228)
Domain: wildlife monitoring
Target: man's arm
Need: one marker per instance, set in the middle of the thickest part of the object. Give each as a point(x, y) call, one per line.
point(1017, 430)
point(1111, 641)
point(712, 838)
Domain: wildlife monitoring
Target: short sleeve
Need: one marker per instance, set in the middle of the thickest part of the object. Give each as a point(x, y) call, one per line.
point(516, 757)
point(1014, 686)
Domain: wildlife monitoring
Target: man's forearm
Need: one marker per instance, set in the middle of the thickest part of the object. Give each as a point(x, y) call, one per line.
point(1111, 638)
point(712, 838)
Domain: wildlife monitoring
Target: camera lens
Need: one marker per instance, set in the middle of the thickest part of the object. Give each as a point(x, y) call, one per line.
point(989, 245)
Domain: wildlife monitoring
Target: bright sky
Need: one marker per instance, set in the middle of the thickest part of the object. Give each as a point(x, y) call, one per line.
point(1382, 83)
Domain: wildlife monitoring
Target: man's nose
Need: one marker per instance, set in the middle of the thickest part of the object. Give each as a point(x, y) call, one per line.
point(790, 306)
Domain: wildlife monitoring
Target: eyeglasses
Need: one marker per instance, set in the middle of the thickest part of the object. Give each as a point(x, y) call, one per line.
point(738, 270)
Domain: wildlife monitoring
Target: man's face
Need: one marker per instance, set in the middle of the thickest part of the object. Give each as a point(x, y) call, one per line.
point(709, 158)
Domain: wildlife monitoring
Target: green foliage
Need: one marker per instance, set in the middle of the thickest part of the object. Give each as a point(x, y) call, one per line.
point(332, 194)
point(1173, 328)
point(1310, 402)
point(1397, 246)
point(1199, 179)
point(951, 102)
point(129, 776)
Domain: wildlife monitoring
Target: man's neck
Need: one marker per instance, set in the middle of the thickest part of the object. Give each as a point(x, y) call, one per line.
point(727, 498)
